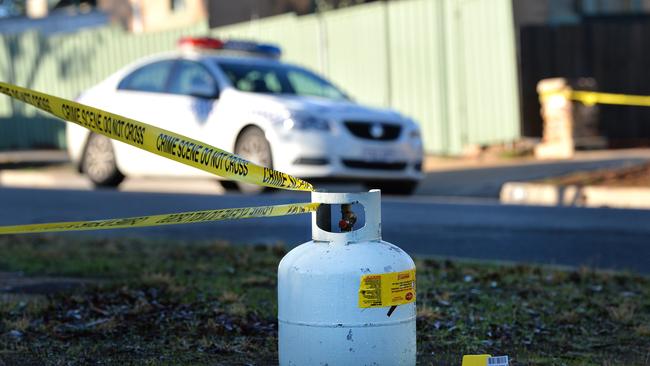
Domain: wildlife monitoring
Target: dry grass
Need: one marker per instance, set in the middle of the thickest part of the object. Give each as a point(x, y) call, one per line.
point(209, 303)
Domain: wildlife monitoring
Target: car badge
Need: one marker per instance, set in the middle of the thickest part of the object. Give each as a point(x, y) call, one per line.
point(376, 131)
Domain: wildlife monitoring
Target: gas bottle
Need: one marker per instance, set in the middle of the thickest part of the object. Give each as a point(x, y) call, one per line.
point(347, 298)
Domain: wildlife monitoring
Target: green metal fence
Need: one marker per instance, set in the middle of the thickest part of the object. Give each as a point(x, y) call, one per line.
point(450, 64)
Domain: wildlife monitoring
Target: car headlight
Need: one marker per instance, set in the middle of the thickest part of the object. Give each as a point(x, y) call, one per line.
point(413, 128)
point(306, 122)
point(415, 134)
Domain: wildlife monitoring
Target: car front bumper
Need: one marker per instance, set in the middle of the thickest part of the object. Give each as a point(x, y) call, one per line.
point(317, 154)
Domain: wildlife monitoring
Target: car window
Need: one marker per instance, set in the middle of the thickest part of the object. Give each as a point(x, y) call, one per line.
point(149, 78)
point(306, 85)
point(191, 76)
point(256, 81)
point(278, 79)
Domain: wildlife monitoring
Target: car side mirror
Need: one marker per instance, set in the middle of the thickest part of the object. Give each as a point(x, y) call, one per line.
point(203, 90)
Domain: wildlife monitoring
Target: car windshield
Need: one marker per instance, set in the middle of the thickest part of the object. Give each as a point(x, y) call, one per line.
point(278, 79)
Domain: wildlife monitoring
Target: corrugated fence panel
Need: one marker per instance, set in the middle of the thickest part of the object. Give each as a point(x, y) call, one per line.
point(356, 41)
point(20, 125)
point(418, 84)
point(449, 64)
point(488, 79)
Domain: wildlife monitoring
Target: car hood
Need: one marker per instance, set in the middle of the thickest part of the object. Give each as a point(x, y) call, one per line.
point(322, 107)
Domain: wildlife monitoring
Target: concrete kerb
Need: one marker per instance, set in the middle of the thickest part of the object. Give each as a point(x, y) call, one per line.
point(32, 158)
point(523, 193)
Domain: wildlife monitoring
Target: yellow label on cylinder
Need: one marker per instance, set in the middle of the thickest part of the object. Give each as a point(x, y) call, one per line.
point(476, 360)
point(387, 289)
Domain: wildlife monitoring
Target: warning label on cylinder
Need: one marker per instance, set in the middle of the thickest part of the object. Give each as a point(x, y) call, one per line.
point(387, 289)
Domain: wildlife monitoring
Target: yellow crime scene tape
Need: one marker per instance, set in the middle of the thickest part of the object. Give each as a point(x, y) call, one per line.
point(158, 141)
point(591, 98)
point(169, 145)
point(165, 219)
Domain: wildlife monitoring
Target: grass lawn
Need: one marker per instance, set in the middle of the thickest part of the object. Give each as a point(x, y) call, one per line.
point(155, 302)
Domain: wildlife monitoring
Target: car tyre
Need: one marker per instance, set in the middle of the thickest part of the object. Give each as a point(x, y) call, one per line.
point(253, 146)
point(397, 187)
point(99, 162)
point(229, 185)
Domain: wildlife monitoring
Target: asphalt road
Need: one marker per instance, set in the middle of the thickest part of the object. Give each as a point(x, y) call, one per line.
point(480, 229)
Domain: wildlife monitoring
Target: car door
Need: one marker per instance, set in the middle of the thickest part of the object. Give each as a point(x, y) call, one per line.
point(189, 105)
point(140, 95)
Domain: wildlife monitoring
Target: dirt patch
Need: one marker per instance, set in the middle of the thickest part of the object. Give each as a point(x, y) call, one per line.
point(16, 283)
point(634, 176)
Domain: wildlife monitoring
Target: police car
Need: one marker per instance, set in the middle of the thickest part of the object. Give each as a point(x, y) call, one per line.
point(239, 96)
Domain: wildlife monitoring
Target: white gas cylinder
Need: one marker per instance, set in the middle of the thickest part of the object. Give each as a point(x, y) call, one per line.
point(347, 298)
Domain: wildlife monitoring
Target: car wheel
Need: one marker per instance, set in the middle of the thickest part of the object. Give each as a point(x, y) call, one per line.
point(99, 162)
point(253, 146)
point(397, 187)
point(229, 185)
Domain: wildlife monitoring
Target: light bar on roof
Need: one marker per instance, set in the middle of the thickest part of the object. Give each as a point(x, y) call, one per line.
point(208, 43)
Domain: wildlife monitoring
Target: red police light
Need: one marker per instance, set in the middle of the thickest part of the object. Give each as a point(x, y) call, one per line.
point(201, 42)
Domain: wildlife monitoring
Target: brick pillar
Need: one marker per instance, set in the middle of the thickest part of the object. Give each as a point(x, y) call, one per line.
point(557, 113)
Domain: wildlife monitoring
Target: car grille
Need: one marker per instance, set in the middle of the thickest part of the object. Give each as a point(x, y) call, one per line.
point(364, 130)
point(311, 161)
point(360, 164)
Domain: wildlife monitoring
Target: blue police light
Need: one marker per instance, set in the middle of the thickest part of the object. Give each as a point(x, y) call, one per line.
point(270, 50)
point(264, 49)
